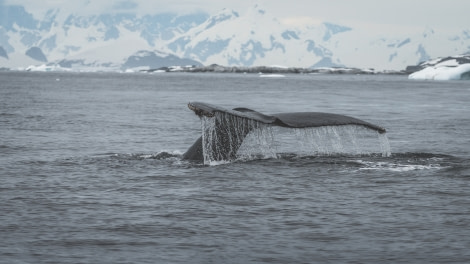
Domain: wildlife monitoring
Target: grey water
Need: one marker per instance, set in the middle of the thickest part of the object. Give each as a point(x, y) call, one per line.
point(91, 172)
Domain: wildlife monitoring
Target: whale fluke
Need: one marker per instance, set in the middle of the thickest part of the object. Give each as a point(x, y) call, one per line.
point(229, 131)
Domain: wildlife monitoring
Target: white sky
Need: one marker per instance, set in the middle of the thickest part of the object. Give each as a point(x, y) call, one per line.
point(403, 13)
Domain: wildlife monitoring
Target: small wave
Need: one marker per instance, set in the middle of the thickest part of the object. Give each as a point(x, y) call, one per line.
point(125, 157)
point(158, 156)
point(163, 155)
point(218, 162)
point(397, 167)
point(422, 155)
point(403, 162)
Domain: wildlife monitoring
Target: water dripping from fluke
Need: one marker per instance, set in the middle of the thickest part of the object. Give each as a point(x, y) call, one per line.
point(348, 140)
point(244, 134)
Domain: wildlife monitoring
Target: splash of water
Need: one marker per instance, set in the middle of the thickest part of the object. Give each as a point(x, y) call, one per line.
point(227, 137)
point(223, 134)
point(384, 145)
point(334, 140)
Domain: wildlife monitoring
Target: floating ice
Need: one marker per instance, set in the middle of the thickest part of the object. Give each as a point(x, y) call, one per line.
point(272, 75)
point(443, 73)
point(443, 69)
point(47, 68)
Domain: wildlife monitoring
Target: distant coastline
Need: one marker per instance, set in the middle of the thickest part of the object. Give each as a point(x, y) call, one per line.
point(445, 68)
point(213, 68)
point(272, 70)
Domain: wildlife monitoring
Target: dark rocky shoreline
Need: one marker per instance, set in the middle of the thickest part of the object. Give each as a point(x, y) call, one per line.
point(272, 70)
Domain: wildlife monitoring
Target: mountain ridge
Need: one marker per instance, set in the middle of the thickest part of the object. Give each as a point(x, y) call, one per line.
point(228, 37)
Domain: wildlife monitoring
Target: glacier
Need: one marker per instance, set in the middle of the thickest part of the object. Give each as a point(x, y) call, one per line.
point(443, 69)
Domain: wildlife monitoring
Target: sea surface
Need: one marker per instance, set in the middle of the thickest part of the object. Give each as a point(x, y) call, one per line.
point(91, 172)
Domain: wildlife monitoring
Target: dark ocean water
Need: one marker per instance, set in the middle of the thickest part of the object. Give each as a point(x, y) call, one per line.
point(91, 172)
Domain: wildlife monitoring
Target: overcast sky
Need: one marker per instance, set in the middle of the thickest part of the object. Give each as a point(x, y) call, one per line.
point(407, 13)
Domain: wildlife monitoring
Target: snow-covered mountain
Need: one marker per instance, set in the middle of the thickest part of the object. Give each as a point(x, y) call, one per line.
point(107, 40)
point(256, 39)
point(122, 40)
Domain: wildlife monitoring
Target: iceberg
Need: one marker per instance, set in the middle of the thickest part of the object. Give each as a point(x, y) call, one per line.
point(443, 69)
point(46, 68)
point(272, 75)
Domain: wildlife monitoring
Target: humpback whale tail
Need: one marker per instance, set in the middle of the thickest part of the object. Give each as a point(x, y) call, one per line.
point(222, 139)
